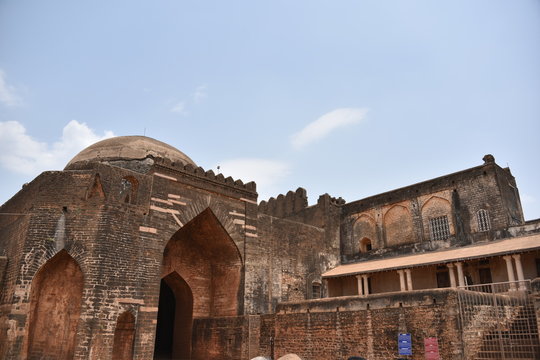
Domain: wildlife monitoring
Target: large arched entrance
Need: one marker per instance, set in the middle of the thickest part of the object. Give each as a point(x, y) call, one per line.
point(201, 277)
point(55, 306)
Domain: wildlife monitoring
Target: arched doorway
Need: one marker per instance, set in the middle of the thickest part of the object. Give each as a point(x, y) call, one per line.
point(175, 315)
point(201, 277)
point(55, 306)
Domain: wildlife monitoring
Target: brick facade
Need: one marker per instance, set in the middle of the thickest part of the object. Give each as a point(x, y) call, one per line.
point(154, 247)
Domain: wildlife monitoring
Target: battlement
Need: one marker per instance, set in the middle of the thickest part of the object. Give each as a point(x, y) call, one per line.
point(200, 173)
point(285, 205)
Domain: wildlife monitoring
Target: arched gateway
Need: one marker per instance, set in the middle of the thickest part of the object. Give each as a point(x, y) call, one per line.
point(201, 277)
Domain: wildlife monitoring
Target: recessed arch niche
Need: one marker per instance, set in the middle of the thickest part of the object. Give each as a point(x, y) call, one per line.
point(202, 260)
point(55, 307)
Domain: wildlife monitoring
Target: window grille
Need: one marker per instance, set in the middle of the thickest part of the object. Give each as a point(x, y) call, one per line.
point(316, 290)
point(482, 216)
point(439, 228)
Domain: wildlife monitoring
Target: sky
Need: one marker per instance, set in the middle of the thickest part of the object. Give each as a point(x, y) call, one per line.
point(350, 98)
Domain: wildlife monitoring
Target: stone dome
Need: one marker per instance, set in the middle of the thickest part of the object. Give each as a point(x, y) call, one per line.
point(127, 151)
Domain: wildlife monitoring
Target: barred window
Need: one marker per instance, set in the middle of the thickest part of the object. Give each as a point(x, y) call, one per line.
point(482, 216)
point(316, 290)
point(439, 228)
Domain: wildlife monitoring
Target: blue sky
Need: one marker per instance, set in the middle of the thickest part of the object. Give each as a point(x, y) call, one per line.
point(352, 98)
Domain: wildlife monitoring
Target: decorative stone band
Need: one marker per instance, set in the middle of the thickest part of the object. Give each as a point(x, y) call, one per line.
point(148, 229)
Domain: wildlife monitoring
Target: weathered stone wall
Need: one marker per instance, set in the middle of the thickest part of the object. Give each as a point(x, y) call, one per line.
point(118, 241)
point(351, 326)
point(401, 217)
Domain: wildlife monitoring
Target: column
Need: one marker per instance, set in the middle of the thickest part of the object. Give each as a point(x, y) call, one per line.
point(409, 279)
point(519, 270)
point(366, 285)
point(461, 278)
point(510, 271)
point(401, 281)
point(451, 275)
point(359, 282)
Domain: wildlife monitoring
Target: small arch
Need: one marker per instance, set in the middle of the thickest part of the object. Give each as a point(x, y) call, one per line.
point(124, 336)
point(96, 190)
point(128, 189)
point(365, 245)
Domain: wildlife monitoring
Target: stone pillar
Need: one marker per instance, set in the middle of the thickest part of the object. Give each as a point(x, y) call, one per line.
point(409, 279)
point(325, 291)
point(402, 281)
point(461, 278)
point(451, 275)
point(519, 270)
point(510, 270)
point(366, 284)
point(359, 282)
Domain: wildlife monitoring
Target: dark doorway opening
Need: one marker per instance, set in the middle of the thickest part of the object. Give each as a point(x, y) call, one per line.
point(165, 323)
point(174, 320)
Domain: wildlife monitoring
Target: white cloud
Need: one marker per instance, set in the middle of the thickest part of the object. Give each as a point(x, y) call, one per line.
point(326, 124)
point(7, 92)
point(179, 108)
point(20, 153)
point(196, 97)
point(200, 94)
point(266, 173)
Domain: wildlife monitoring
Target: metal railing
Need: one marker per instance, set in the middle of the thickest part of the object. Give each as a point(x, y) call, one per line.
point(498, 321)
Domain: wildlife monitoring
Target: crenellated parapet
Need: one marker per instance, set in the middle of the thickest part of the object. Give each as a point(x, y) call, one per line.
point(326, 199)
point(285, 205)
point(199, 172)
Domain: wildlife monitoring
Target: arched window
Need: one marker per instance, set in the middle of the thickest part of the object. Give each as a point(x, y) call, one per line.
point(365, 245)
point(482, 217)
point(128, 189)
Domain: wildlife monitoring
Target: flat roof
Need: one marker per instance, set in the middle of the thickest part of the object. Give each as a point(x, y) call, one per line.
point(487, 249)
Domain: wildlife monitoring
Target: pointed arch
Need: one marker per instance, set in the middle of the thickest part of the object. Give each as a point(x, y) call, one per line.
point(366, 245)
point(129, 187)
point(364, 227)
point(207, 258)
point(398, 226)
point(96, 189)
point(435, 202)
point(55, 306)
point(437, 219)
point(175, 318)
point(124, 335)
